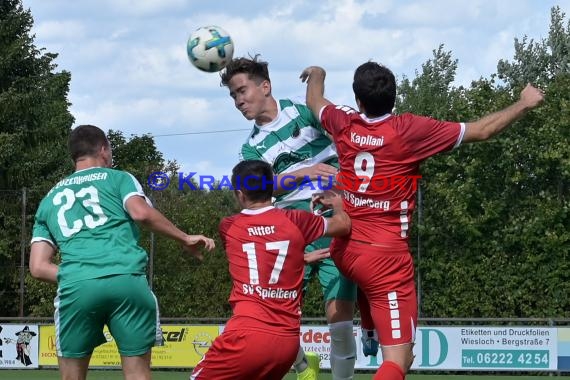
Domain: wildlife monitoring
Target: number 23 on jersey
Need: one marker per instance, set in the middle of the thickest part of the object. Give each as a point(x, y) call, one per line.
point(89, 197)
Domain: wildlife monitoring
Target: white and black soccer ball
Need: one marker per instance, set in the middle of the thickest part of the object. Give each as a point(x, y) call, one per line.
point(210, 48)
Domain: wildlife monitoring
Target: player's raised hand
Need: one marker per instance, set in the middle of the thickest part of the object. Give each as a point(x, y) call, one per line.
point(328, 200)
point(194, 245)
point(316, 70)
point(531, 96)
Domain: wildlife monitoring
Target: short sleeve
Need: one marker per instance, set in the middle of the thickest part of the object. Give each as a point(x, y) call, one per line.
point(308, 116)
point(315, 123)
point(129, 186)
point(223, 229)
point(311, 226)
point(425, 136)
point(335, 118)
point(41, 231)
point(247, 152)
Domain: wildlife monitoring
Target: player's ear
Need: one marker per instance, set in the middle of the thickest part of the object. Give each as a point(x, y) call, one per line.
point(107, 154)
point(266, 87)
point(240, 197)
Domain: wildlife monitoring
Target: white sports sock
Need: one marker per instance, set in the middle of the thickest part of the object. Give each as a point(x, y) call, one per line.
point(343, 350)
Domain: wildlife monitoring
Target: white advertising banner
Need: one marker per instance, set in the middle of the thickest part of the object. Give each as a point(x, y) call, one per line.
point(18, 346)
point(479, 348)
point(318, 339)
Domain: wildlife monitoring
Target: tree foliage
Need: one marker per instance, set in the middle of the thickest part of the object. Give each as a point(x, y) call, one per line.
point(184, 286)
point(495, 232)
point(34, 124)
point(138, 155)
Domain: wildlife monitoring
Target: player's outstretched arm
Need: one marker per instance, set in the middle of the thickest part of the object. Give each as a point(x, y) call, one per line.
point(289, 181)
point(315, 78)
point(153, 219)
point(316, 255)
point(41, 262)
point(492, 124)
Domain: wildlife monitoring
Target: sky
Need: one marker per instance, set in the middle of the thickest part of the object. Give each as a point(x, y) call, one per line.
point(130, 72)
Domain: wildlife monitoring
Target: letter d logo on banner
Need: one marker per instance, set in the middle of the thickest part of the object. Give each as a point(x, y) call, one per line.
point(430, 342)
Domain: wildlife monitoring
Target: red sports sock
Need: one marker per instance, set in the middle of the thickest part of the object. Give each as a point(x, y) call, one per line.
point(389, 371)
point(366, 321)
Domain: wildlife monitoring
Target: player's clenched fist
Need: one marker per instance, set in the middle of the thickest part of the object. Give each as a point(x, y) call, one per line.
point(532, 96)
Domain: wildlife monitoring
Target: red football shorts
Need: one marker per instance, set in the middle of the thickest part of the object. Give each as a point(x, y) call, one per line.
point(387, 279)
point(247, 354)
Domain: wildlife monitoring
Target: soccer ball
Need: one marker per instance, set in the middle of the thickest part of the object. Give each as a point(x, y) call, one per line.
point(210, 48)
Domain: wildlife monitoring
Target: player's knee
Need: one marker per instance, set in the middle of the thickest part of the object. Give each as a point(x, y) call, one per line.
point(339, 311)
point(403, 356)
point(408, 360)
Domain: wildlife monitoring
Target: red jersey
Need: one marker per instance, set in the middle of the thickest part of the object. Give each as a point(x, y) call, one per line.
point(265, 250)
point(379, 167)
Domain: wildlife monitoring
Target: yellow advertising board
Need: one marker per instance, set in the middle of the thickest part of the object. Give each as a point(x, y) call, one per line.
point(184, 346)
point(47, 354)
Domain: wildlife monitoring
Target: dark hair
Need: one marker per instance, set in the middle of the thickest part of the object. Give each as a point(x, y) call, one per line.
point(255, 69)
point(375, 87)
point(86, 140)
point(255, 179)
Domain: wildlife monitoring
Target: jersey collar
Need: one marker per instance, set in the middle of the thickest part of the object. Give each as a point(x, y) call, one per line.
point(248, 211)
point(375, 119)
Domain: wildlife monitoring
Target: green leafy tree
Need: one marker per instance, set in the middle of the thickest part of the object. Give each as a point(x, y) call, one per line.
point(430, 93)
point(34, 125)
point(494, 234)
point(184, 286)
point(137, 155)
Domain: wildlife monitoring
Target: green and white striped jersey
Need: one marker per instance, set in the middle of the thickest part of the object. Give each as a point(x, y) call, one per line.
point(294, 140)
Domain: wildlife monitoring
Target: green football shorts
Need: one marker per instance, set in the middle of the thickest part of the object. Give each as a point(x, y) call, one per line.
point(333, 284)
point(124, 303)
